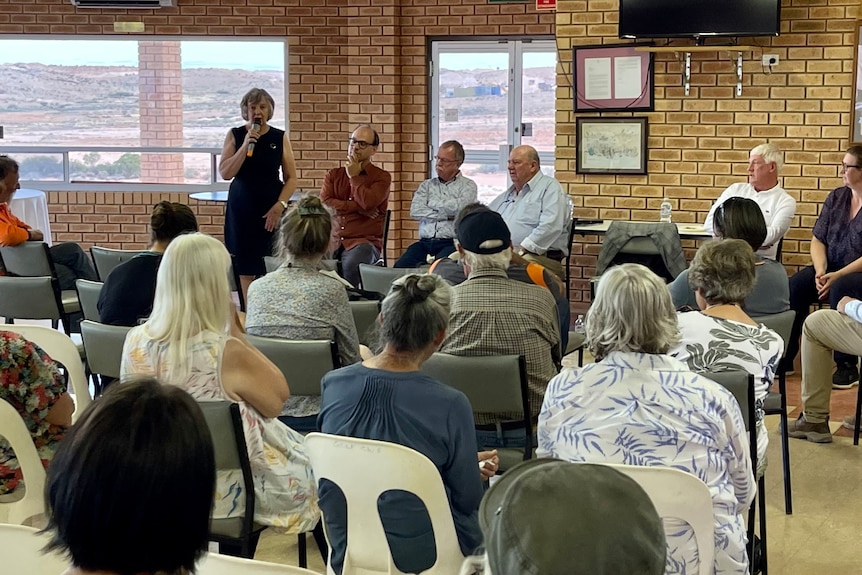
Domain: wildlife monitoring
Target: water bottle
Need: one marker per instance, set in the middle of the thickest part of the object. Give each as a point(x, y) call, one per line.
point(665, 211)
point(579, 325)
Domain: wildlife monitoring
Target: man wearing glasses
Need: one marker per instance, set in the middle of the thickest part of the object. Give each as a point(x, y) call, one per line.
point(436, 203)
point(359, 194)
point(778, 207)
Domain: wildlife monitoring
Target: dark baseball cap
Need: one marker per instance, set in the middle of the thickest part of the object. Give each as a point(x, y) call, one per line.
point(483, 232)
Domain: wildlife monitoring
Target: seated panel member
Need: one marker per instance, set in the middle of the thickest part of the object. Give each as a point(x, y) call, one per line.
point(536, 210)
point(436, 203)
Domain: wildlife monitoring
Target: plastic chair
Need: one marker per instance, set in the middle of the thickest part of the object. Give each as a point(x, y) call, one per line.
point(88, 297)
point(365, 318)
point(386, 223)
point(379, 279)
point(365, 469)
point(679, 495)
point(21, 550)
point(18, 507)
point(63, 350)
point(776, 403)
point(106, 259)
point(215, 564)
point(303, 363)
point(494, 384)
point(104, 346)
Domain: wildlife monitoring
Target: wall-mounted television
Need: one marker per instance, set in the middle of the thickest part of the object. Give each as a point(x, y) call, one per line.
point(698, 18)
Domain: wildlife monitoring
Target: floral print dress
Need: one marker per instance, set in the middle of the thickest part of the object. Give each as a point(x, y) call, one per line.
point(31, 383)
point(285, 490)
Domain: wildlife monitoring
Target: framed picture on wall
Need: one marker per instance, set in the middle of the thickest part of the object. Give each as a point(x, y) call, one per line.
point(856, 126)
point(613, 78)
point(611, 145)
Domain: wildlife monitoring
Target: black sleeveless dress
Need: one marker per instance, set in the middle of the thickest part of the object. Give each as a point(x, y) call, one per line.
point(253, 191)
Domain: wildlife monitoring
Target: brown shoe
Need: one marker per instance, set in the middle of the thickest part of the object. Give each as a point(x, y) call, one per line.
point(815, 432)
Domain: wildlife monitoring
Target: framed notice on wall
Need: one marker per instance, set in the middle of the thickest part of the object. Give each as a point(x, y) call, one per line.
point(613, 78)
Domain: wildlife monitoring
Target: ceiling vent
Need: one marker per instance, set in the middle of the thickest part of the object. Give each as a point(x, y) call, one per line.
point(146, 4)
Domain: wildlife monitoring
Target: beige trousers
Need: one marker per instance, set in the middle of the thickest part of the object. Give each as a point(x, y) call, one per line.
point(824, 331)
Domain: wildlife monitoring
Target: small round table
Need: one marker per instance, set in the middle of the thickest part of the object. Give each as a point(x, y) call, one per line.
point(31, 206)
point(209, 196)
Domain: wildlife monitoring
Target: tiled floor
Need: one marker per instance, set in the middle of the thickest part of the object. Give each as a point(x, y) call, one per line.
point(820, 536)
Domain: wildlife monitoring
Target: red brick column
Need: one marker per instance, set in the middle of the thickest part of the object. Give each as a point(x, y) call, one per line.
point(160, 85)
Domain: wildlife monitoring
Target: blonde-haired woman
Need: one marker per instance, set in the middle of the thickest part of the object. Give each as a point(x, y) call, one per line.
point(638, 406)
point(194, 340)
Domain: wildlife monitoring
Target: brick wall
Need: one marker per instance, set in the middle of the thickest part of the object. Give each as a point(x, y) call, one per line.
point(699, 143)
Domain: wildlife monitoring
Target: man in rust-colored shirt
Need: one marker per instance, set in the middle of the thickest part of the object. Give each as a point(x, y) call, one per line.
point(359, 194)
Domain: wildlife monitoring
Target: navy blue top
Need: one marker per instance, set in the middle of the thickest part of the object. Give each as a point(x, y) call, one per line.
point(423, 414)
point(842, 236)
point(129, 290)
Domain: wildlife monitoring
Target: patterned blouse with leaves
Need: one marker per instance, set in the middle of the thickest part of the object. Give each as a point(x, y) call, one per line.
point(31, 383)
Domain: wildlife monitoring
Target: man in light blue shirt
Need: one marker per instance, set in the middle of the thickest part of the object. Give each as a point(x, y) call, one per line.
point(536, 210)
point(435, 204)
point(824, 331)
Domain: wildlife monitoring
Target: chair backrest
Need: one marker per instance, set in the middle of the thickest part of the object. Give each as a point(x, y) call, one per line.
point(780, 323)
point(741, 385)
point(88, 297)
point(365, 318)
point(28, 259)
point(680, 495)
point(30, 298)
point(640, 248)
point(379, 279)
point(21, 549)
point(104, 346)
point(365, 469)
point(13, 429)
point(62, 349)
point(106, 259)
point(225, 424)
point(303, 363)
point(386, 223)
point(216, 564)
point(493, 384)
point(271, 263)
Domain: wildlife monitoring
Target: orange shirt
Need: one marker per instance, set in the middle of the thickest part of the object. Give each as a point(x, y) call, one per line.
point(12, 230)
point(354, 199)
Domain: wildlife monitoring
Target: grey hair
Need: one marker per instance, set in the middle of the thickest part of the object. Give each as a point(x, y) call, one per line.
point(632, 311)
point(723, 271)
point(498, 261)
point(770, 153)
point(415, 312)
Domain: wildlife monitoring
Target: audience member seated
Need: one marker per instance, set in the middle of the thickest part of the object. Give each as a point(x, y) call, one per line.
point(70, 260)
point(495, 315)
point(722, 336)
point(131, 486)
point(825, 331)
point(741, 218)
point(452, 271)
point(386, 398)
point(836, 255)
point(546, 516)
point(435, 204)
point(194, 340)
point(129, 289)
point(31, 383)
point(536, 210)
point(296, 301)
point(778, 207)
point(639, 406)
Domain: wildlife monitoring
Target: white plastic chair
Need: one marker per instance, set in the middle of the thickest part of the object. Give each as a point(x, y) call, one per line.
point(62, 349)
point(364, 469)
point(26, 502)
point(21, 550)
point(215, 564)
point(679, 495)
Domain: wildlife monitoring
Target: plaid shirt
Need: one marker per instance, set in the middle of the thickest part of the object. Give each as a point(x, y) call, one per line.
point(493, 315)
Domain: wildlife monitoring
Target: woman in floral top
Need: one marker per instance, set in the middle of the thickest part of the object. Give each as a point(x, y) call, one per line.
point(30, 382)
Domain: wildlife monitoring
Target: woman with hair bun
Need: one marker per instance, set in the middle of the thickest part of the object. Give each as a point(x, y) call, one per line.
point(129, 289)
point(387, 398)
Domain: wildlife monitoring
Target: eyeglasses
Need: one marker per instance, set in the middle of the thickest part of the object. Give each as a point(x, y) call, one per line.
point(845, 167)
point(361, 144)
point(444, 161)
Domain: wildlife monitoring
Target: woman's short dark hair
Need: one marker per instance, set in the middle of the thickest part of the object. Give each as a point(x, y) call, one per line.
point(741, 219)
point(131, 486)
point(415, 312)
point(305, 230)
point(723, 271)
point(254, 96)
point(171, 219)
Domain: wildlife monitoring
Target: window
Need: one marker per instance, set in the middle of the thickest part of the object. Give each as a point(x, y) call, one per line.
point(77, 113)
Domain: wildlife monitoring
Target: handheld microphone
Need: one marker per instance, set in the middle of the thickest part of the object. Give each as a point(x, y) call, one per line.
point(255, 126)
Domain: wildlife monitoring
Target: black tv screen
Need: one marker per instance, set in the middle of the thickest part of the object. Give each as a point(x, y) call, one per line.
point(695, 18)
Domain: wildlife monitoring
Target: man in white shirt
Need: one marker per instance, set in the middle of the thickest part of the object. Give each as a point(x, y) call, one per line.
point(536, 210)
point(778, 207)
point(825, 331)
point(435, 204)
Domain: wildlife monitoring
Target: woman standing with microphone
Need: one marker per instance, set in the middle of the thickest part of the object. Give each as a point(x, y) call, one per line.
point(251, 156)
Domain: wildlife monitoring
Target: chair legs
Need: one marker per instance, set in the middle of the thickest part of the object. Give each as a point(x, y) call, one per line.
point(245, 547)
point(761, 511)
point(319, 538)
point(858, 413)
point(785, 448)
